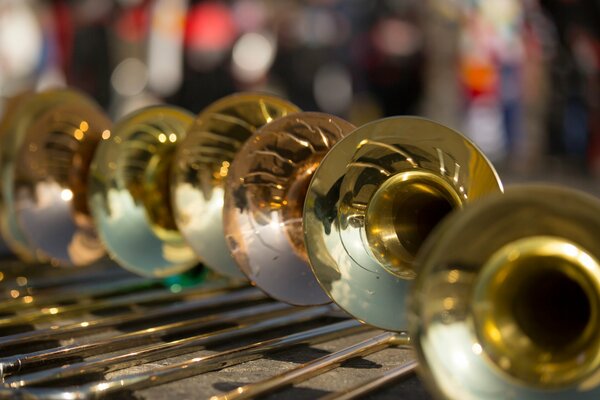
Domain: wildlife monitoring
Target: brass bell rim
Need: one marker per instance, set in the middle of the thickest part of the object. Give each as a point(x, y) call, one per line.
point(240, 97)
point(208, 242)
point(371, 293)
point(448, 322)
point(78, 105)
point(100, 181)
point(28, 108)
point(559, 362)
point(285, 275)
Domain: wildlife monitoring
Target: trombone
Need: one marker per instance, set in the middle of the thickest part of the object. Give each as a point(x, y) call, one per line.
point(49, 139)
point(361, 215)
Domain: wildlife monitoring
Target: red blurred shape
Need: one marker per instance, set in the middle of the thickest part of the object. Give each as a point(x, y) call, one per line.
point(210, 26)
point(132, 24)
point(64, 33)
point(479, 76)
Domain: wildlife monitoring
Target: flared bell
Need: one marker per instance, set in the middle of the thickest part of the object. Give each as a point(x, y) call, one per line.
point(129, 192)
point(6, 120)
point(202, 164)
point(264, 199)
point(48, 147)
point(507, 300)
point(372, 202)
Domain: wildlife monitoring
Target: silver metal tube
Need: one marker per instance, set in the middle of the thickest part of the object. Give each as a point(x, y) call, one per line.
point(99, 324)
point(188, 368)
point(49, 313)
point(315, 367)
point(164, 350)
point(13, 364)
point(31, 300)
point(376, 384)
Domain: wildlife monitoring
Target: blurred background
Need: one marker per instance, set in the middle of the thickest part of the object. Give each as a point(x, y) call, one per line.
point(519, 77)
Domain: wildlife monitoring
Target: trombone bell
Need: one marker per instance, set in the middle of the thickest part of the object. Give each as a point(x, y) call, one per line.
point(129, 192)
point(507, 299)
point(49, 148)
point(536, 311)
point(202, 164)
point(265, 194)
point(374, 198)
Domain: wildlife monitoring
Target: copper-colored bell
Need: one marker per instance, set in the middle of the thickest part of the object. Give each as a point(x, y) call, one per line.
point(264, 199)
point(202, 164)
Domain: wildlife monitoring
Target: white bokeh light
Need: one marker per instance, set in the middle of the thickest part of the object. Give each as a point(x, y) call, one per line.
point(253, 55)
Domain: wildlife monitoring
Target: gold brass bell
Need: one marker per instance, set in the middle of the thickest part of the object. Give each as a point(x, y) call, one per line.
point(48, 144)
point(506, 303)
point(129, 192)
point(372, 202)
point(202, 164)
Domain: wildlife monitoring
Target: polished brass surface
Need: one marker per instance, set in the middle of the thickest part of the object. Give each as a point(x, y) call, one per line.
point(10, 107)
point(402, 213)
point(48, 146)
point(316, 367)
point(374, 199)
point(264, 199)
point(202, 165)
point(507, 301)
point(129, 192)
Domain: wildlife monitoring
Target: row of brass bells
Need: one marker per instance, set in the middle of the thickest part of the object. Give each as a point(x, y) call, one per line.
point(158, 184)
point(59, 142)
point(151, 215)
point(201, 166)
point(359, 211)
point(475, 295)
point(289, 193)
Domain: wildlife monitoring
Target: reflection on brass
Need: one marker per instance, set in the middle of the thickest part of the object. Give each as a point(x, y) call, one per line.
point(202, 165)
point(48, 141)
point(264, 200)
point(372, 202)
point(12, 236)
point(129, 192)
point(507, 299)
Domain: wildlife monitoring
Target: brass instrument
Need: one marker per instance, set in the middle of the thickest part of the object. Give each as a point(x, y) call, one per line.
point(474, 289)
point(507, 301)
point(202, 164)
point(48, 141)
point(129, 192)
point(375, 198)
point(264, 198)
